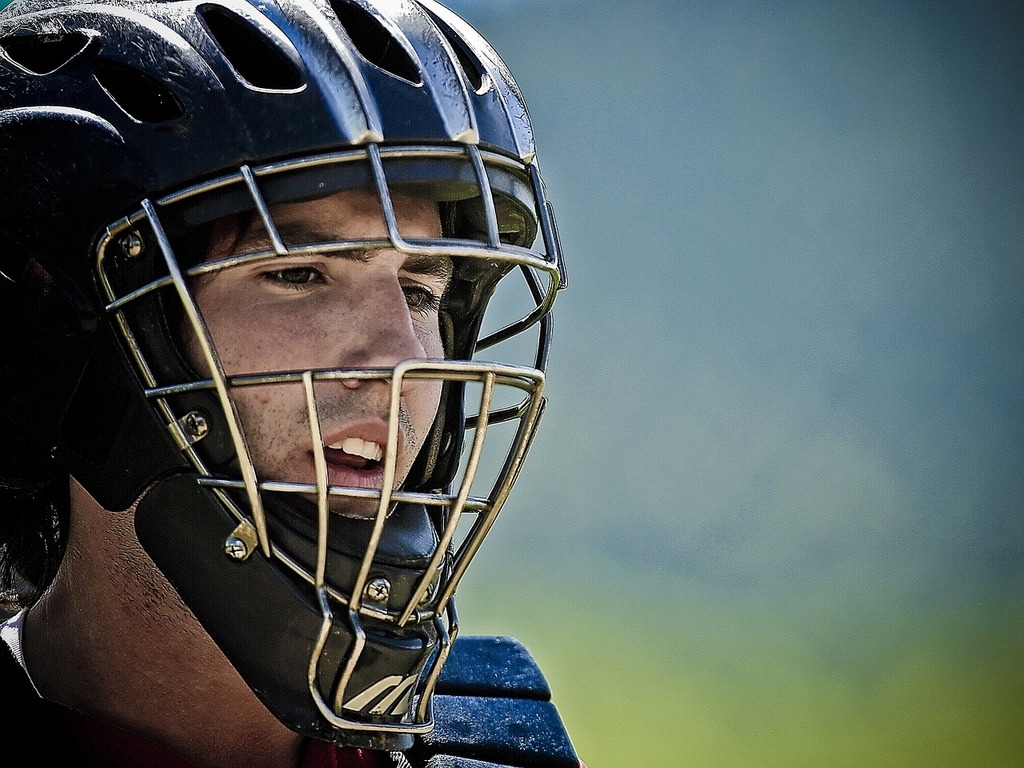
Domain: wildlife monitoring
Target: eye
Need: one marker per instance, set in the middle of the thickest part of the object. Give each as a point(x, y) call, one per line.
point(421, 298)
point(297, 277)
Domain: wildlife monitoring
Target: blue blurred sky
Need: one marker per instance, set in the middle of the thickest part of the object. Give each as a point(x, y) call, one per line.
point(791, 352)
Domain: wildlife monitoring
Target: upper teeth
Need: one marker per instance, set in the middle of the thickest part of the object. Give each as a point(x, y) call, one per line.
point(362, 448)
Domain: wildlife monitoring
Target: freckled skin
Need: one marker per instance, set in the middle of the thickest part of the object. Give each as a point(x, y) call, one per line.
point(326, 311)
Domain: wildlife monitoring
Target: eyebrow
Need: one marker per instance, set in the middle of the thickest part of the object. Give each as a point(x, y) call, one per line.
point(303, 233)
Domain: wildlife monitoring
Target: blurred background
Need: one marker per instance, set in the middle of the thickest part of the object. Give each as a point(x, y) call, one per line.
point(775, 513)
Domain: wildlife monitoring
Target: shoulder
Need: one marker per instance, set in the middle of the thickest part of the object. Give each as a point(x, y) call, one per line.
point(24, 710)
point(14, 680)
point(493, 708)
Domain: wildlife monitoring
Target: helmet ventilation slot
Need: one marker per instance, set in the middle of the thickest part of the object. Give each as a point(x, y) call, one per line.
point(44, 54)
point(255, 58)
point(470, 63)
point(374, 41)
point(137, 94)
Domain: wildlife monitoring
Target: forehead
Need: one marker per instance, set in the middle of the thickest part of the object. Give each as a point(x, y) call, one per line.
point(358, 213)
point(348, 215)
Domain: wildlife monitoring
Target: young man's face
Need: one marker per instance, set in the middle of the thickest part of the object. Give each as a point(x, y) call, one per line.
point(350, 309)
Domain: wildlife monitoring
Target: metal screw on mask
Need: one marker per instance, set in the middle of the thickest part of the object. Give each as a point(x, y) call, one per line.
point(378, 590)
point(241, 543)
point(196, 425)
point(132, 245)
point(235, 548)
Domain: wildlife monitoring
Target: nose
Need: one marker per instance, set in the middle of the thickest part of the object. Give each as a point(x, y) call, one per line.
point(376, 329)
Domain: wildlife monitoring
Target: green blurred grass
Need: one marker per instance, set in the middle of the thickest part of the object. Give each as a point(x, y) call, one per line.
point(735, 683)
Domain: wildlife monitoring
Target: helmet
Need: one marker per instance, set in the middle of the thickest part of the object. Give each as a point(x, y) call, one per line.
point(129, 130)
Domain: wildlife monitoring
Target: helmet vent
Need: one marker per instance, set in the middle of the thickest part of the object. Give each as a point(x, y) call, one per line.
point(470, 63)
point(137, 94)
point(43, 54)
point(252, 54)
point(375, 42)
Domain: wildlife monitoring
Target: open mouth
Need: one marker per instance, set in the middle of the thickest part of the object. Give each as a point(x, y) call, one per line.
point(354, 453)
point(356, 461)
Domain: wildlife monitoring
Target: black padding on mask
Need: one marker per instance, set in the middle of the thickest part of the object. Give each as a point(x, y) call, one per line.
point(266, 620)
point(404, 552)
point(410, 540)
point(111, 439)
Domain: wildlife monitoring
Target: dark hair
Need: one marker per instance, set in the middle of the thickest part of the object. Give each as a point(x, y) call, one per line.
point(34, 515)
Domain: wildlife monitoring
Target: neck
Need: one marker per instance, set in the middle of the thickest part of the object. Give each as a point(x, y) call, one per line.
point(112, 639)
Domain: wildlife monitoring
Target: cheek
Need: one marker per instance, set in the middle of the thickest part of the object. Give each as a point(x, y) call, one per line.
point(428, 394)
point(232, 347)
point(430, 339)
point(421, 403)
point(245, 340)
point(428, 400)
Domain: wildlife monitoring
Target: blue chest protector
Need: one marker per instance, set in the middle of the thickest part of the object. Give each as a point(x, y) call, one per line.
point(493, 709)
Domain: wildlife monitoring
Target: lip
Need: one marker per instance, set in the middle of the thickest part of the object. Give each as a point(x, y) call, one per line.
point(341, 475)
